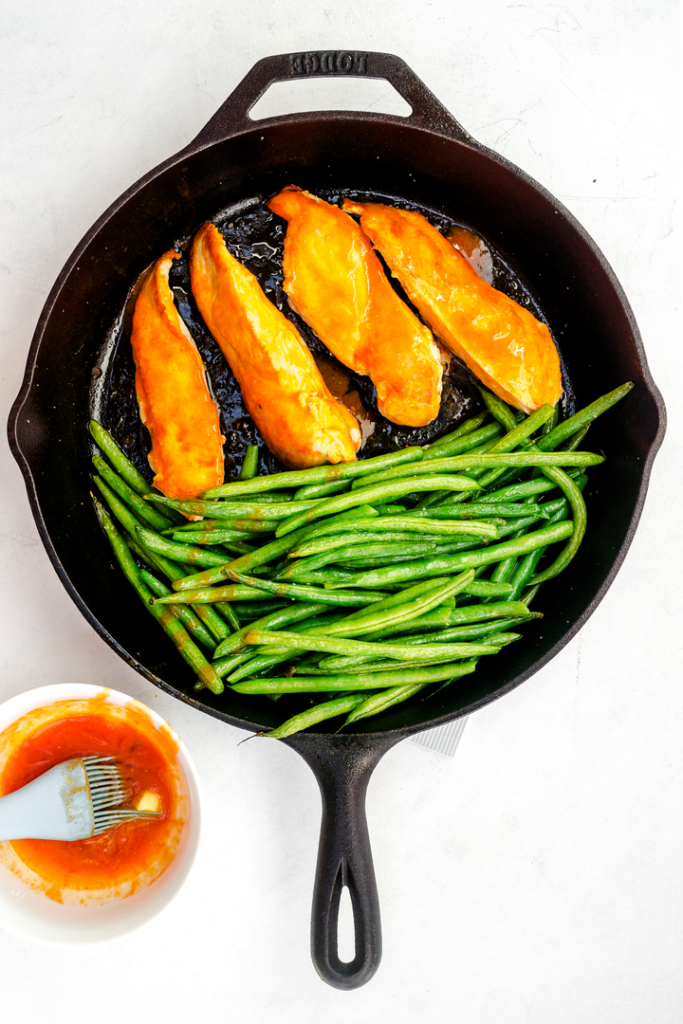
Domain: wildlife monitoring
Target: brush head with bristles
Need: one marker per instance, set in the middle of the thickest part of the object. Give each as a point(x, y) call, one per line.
point(108, 791)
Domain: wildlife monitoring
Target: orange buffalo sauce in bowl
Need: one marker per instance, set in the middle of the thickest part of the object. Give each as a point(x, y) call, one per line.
point(125, 859)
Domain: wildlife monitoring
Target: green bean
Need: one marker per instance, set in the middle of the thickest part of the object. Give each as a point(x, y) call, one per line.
point(248, 610)
point(475, 509)
point(250, 464)
point(586, 415)
point(522, 568)
point(527, 564)
point(249, 584)
point(190, 621)
point(487, 460)
point(578, 506)
point(209, 615)
point(320, 490)
point(458, 445)
point(522, 460)
point(243, 526)
point(500, 410)
point(575, 440)
point(272, 498)
point(376, 666)
point(142, 508)
point(389, 510)
point(516, 437)
point(454, 563)
point(416, 602)
point(381, 552)
point(343, 521)
point(321, 540)
point(524, 571)
point(283, 617)
point(460, 618)
point(552, 422)
point(502, 572)
point(517, 527)
point(235, 509)
point(341, 664)
point(522, 431)
point(529, 594)
point(321, 577)
point(404, 596)
point(438, 463)
point(224, 666)
point(469, 425)
point(518, 461)
point(213, 595)
point(330, 645)
point(349, 625)
point(229, 614)
point(206, 537)
point(514, 492)
point(168, 622)
point(186, 553)
point(315, 475)
point(268, 553)
point(366, 681)
point(123, 466)
point(380, 492)
point(382, 701)
point(315, 715)
point(503, 639)
point(488, 588)
point(320, 545)
point(121, 511)
point(476, 629)
point(257, 663)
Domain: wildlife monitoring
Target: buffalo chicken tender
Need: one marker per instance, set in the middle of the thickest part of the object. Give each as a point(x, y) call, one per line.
point(336, 282)
point(172, 391)
point(300, 421)
point(502, 343)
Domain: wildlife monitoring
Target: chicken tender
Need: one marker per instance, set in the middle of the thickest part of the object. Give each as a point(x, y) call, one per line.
point(300, 421)
point(502, 343)
point(337, 284)
point(175, 403)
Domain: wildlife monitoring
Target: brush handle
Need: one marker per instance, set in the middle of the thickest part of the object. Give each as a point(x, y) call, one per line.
point(56, 805)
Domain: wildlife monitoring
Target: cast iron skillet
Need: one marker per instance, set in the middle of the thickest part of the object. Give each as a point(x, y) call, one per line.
point(426, 157)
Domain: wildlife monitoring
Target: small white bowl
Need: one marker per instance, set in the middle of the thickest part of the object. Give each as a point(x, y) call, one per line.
point(31, 913)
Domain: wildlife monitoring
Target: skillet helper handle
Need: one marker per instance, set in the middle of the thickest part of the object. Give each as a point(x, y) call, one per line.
point(343, 766)
point(233, 117)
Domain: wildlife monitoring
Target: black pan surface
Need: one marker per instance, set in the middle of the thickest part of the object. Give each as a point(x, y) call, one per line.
point(77, 364)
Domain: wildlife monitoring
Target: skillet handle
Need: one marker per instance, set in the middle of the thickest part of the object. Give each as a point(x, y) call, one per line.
point(343, 766)
point(233, 117)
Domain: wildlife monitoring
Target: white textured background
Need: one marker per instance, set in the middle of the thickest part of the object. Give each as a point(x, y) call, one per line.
point(536, 876)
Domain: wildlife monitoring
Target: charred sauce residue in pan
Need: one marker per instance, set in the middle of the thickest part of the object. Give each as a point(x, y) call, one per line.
point(255, 236)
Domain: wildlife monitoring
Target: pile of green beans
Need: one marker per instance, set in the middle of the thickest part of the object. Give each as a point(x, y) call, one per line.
point(357, 586)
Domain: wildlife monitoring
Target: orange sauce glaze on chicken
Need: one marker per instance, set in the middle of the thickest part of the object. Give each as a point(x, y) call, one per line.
point(300, 421)
point(502, 343)
point(337, 284)
point(173, 395)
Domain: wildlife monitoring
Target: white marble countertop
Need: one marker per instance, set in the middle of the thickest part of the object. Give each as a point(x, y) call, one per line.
point(536, 876)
